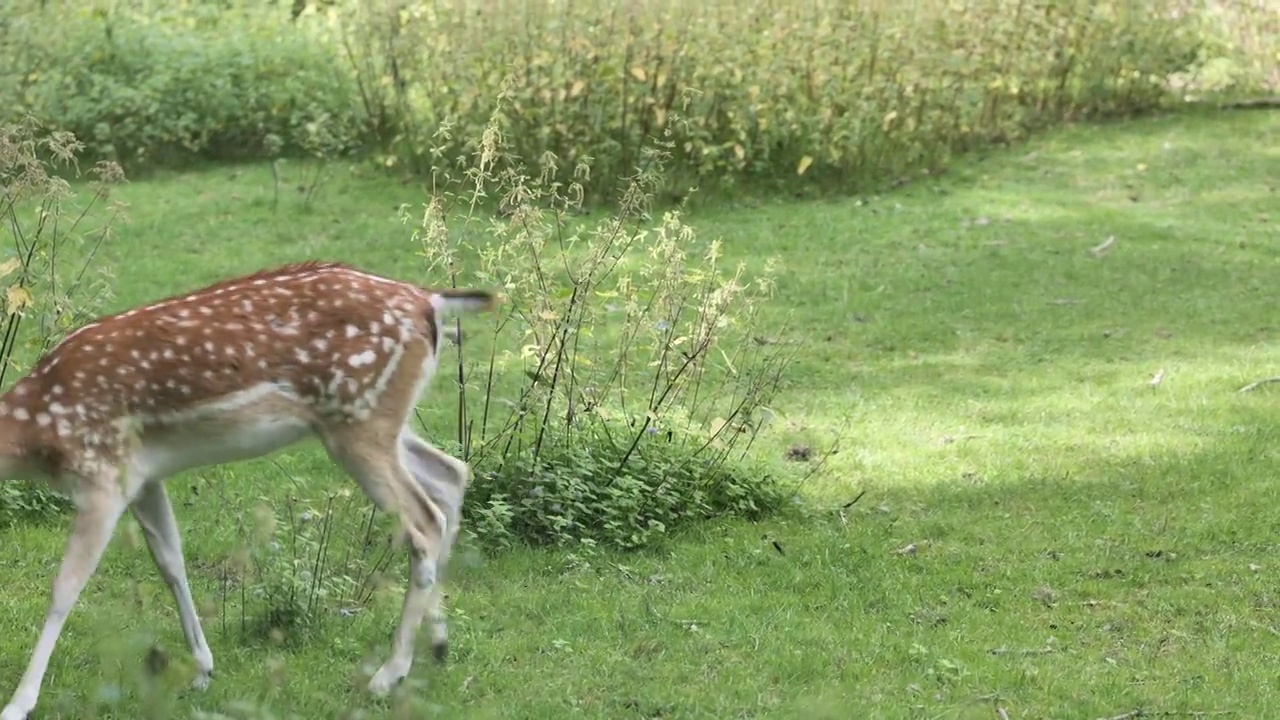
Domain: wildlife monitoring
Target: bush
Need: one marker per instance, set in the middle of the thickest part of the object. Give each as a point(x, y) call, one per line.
point(54, 277)
point(640, 381)
point(146, 85)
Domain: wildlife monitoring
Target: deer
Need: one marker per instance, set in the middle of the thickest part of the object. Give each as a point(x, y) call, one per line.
point(241, 369)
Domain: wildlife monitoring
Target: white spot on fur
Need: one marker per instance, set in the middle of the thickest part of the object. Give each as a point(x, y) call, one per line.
point(360, 360)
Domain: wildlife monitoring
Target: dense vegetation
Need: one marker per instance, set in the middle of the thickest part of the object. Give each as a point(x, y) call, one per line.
point(851, 92)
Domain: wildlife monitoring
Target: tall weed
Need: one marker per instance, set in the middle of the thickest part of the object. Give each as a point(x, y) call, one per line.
point(51, 268)
point(626, 380)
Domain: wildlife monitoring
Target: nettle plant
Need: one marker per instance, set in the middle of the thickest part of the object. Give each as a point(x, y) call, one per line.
point(628, 377)
point(52, 276)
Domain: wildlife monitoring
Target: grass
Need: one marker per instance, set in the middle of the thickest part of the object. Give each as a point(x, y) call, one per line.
point(1085, 543)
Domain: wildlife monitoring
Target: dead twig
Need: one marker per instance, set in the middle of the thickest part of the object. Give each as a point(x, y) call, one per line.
point(1103, 247)
point(1259, 383)
point(1268, 628)
point(948, 439)
point(686, 624)
point(1021, 651)
point(853, 502)
point(1142, 713)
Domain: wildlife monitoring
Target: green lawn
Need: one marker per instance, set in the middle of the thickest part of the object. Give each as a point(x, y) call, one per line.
point(1086, 542)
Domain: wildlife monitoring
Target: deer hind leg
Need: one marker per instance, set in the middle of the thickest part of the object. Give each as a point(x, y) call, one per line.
point(154, 514)
point(99, 504)
point(379, 468)
point(444, 478)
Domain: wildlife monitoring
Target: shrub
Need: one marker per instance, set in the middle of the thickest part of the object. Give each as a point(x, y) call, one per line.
point(638, 383)
point(54, 277)
point(142, 83)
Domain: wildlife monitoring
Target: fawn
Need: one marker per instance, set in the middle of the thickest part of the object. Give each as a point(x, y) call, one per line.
point(237, 370)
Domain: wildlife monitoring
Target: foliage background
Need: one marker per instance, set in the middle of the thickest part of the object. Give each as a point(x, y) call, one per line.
point(848, 93)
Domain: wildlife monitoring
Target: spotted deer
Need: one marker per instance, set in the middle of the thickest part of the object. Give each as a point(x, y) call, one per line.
point(237, 370)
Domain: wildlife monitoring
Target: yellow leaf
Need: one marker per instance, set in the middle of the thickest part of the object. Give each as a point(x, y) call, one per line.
point(805, 162)
point(716, 425)
point(888, 120)
point(18, 298)
point(9, 266)
point(739, 151)
point(638, 73)
point(576, 88)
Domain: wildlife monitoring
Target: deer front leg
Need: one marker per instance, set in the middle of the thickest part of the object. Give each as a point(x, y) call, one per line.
point(97, 513)
point(154, 514)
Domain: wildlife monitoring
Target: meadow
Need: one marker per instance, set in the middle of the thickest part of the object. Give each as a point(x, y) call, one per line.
point(1048, 499)
point(892, 360)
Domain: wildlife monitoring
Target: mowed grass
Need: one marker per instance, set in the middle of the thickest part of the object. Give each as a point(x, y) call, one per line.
point(1041, 527)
